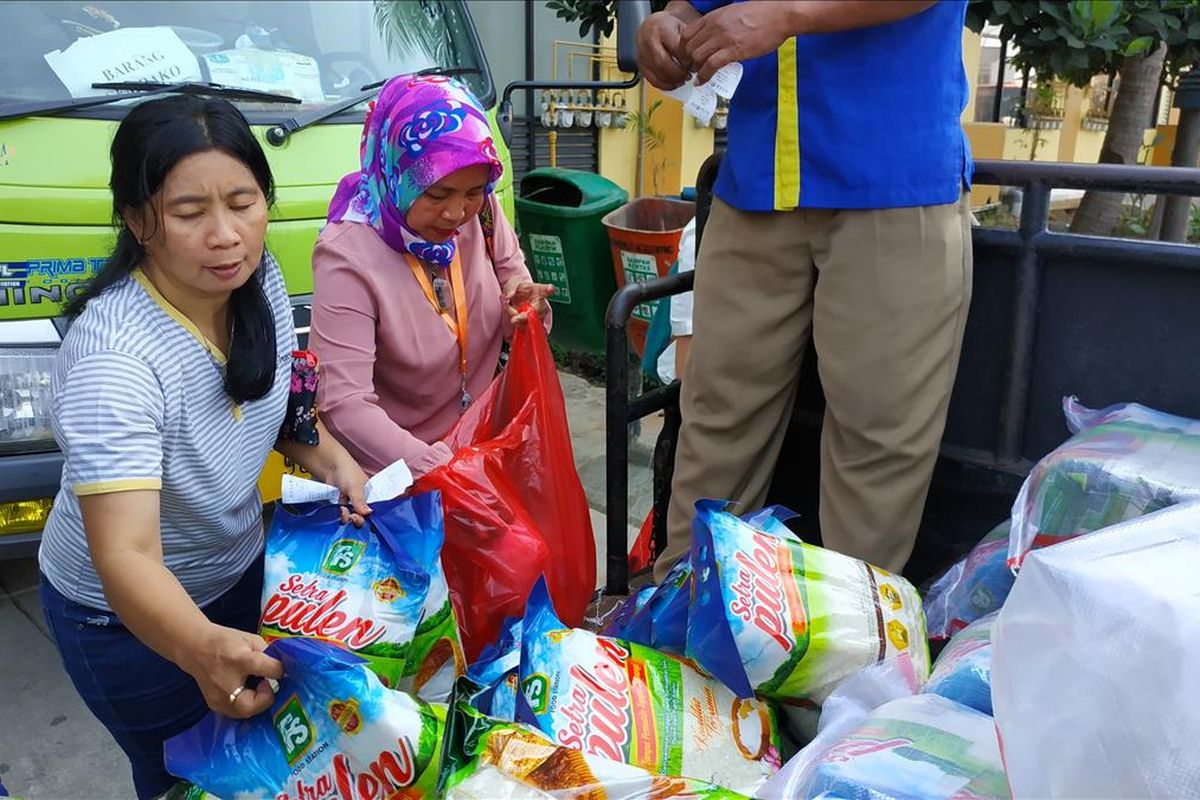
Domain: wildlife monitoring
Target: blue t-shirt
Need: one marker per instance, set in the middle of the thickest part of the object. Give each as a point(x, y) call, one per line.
point(868, 118)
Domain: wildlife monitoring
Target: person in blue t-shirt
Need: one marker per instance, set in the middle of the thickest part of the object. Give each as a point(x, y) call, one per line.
point(841, 214)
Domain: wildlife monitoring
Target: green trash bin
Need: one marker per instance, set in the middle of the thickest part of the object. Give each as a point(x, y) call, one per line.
point(566, 245)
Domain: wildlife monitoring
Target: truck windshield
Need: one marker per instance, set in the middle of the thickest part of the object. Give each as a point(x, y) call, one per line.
point(319, 51)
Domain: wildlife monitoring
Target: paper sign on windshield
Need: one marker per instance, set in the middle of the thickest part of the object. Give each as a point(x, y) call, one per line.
point(128, 54)
point(274, 71)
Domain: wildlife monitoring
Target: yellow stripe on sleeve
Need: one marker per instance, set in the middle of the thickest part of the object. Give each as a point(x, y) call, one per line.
point(121, 485)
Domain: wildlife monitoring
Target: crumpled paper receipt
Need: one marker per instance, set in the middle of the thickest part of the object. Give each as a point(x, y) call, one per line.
point(391, 481)
point(701, 101)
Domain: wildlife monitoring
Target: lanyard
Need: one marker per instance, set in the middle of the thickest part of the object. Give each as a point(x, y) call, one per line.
point(458, 326)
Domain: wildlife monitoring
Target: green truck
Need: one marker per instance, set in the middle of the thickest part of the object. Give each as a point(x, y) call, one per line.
point(69, 71)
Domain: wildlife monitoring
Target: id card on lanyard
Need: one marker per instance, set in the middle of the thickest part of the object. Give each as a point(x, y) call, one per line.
point(456, 323)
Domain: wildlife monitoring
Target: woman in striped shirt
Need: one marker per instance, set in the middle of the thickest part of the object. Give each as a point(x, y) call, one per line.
point(169, 393)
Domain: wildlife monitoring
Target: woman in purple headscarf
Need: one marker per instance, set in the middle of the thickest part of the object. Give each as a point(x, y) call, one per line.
point(418, 277)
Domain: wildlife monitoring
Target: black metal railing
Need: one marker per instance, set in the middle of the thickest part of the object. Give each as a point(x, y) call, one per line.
point(1028, 248)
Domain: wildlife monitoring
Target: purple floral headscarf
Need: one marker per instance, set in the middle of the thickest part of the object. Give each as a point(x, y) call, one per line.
point(419, 130)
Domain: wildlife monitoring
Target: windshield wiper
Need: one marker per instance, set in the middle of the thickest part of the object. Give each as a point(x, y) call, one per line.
point(278, 134)
point(201, 88)
point(132, 89)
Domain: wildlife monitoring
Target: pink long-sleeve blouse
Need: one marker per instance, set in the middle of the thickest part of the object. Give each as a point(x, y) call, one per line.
point(389, 364)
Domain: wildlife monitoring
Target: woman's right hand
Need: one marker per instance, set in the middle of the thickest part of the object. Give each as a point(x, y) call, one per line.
point(221, 659)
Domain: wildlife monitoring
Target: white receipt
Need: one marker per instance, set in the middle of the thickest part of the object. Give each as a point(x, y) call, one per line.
point(701, 101)
point(392, 481)
point(302, 490)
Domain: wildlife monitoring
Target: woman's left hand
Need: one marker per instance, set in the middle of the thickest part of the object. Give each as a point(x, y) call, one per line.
point(519, 293)
point(351, 481)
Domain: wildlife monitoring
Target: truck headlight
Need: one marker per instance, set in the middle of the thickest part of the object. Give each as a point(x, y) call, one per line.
point(25, 405)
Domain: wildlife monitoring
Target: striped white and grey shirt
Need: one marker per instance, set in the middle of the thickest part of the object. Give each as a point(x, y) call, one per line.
point(139, 403)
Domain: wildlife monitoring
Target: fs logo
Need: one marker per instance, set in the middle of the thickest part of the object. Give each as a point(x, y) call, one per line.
point(342, 556)
point(295, 732)
point(13, 271)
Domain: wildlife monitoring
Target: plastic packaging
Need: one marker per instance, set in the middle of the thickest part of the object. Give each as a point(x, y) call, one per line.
point(963, 671)
point(774, 616)
point(333, 731)
point(1122, 462)
point(619, 621)
point(1094, 664)
point(918, 747)
point(660, 621)
point(498, 673)
point(486, 759)
point(880, 741)
point(625, 702)
point(972, 588)
point(378, 590)
point(845, 709)
point(513, 504)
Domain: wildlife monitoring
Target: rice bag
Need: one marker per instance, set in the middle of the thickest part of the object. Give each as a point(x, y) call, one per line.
point(625, 702)
point(972, 588)
point(923, 746)
point(488, 758)
point(625, 612)
point(783, 619)
point(497, 672)
point(963, 671)
point(334, 731)
point(379, 591)
point(1122, 462)
point(1094, 664)
point(661, 621)
point(185, 791)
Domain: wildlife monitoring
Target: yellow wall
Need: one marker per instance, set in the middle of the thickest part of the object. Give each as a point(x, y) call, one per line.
point(1166, 143)
point(972, 48)
point(1069, 143)
point(1087, 147)
point(618, 150)
point(661, 165)
point(697, 145)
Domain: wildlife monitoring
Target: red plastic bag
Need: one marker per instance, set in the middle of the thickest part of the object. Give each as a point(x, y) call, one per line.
point(642, 555)
point(513, 505)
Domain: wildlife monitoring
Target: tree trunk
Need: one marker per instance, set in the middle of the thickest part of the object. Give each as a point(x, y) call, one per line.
point(1140, 76)
point(1177, 208)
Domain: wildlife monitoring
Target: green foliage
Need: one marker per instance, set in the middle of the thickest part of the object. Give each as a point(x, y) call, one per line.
point(600, 15)
point(1074, 41)
point(652, 139)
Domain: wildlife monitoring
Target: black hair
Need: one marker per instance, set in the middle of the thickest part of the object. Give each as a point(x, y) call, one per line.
point(152, 139)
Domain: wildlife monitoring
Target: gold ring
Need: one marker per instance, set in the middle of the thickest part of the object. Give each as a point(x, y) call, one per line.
point(233, 696)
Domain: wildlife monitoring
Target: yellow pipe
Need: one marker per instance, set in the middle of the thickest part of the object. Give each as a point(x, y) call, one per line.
point(606, 55)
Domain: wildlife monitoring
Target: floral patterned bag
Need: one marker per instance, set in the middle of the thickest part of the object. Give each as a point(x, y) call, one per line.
point(300, 423)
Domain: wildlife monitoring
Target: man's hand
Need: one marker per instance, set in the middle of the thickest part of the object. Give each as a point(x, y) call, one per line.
point(660, 57)
point(734, 33)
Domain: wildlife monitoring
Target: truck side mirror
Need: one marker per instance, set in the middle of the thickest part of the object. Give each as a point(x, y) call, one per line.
point(630, 16)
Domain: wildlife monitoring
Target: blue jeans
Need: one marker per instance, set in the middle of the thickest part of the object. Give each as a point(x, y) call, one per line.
point(139, 696)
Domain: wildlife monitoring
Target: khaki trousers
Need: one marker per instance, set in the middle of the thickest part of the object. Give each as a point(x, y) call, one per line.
point(884, 295)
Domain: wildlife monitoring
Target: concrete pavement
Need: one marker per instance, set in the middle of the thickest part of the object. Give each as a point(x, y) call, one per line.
point(51, 748)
